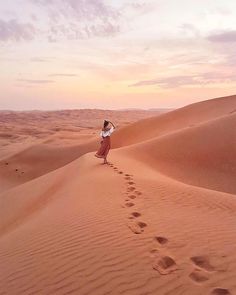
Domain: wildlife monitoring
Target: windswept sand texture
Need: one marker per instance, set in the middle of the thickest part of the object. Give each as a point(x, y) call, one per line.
point(159, 219)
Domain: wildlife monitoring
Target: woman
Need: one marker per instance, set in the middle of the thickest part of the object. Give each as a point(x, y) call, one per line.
point(106, 141)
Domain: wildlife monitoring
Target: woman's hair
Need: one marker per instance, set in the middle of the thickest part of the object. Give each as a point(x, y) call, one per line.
point(105, 124)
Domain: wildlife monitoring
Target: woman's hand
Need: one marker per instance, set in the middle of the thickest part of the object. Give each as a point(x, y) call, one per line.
point(112, 124)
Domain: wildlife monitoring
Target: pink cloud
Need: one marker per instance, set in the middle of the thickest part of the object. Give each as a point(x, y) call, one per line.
point(181, 80)
point(12, 30)
point(32, 81)
point(80, 19)
point(81, 9)
point(38, 59)
point(190, 29)
point(223, 37)
point(167, 82)
point(62, 75)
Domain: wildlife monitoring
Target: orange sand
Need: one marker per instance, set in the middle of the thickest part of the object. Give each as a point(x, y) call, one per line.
point(160, 219)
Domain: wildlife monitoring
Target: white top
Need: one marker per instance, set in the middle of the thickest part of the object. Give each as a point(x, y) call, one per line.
point(107, 133)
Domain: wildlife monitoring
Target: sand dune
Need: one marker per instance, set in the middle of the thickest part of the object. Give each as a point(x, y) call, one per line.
point(68, 232)
point(203, 155)
point(159, 220)
point(17, 168)
point(20, 167)
point(51, 139)
point(18, 130)
point(185, 117)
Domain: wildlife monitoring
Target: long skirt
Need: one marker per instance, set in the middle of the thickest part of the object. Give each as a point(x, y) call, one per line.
point(104, 148)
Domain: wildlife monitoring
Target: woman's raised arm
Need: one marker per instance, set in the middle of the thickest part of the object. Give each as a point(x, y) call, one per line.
point(112, 124)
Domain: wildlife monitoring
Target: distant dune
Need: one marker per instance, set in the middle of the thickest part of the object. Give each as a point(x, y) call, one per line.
point(51, 139)
point(160, 219)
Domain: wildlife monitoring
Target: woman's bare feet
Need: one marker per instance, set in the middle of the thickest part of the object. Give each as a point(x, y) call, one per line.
point(105, 161)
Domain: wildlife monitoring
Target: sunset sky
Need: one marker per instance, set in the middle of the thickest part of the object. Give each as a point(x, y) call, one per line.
point(57, 54)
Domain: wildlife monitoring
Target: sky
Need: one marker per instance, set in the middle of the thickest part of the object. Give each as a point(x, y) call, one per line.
point(113, 54)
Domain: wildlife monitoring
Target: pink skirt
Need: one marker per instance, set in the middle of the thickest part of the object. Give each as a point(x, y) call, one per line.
point(104, 148)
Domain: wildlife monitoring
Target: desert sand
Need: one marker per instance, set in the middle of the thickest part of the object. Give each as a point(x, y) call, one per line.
point(159, 219)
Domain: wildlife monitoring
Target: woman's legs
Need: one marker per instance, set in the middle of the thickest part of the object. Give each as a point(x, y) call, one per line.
point(106, 154)
point(104, 149)
point(105, 161)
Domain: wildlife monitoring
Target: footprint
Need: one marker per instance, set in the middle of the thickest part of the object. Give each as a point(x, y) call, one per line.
point(131, 188)
point(127, 174)
point(136, 214)
point(137, 227)
point(132, 196)
point(142, 224)
point(161, 240)
point(128, 178)
point(198, 277)
point(165, 265)
point(129, 204)
point(120, 172)
point(220, 291)
point(130, 183)
point(202, 262)
point(138, 193)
